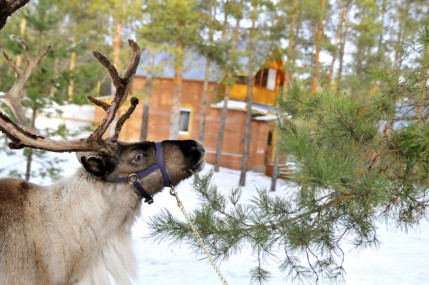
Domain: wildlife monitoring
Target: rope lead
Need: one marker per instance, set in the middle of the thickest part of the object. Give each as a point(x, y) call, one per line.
point(198, 237)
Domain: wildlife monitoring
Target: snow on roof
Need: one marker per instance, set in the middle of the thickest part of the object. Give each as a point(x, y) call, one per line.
point(262, 112)
point(269, 117)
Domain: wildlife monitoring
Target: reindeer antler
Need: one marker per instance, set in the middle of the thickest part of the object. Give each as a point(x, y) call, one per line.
point(121, 85)
point(13, 98)
point(22, 136)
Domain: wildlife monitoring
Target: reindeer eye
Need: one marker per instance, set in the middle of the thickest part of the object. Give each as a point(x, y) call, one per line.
point(137, 157)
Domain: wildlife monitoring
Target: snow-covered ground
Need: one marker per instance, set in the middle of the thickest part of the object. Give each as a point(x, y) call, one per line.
point(401, 259)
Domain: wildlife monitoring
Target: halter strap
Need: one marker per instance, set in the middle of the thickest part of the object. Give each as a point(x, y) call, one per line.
point(161, 165)
point(134, 178)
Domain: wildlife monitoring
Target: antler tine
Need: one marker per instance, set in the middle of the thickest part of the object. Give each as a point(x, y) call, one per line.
point(134, 61)
point(134, 101)
point(11, 62)
point(14, 96)
point(24, 46)
point(121, 84)
point(99, 103)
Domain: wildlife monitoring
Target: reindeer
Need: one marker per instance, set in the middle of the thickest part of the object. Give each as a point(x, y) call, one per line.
point(78, 230)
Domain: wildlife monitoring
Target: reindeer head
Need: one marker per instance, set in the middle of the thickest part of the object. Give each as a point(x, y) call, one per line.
point(180, 159)
point(108, 159)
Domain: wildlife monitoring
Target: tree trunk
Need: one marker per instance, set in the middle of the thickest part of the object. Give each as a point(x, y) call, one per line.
point(29, 160)
point(380, 48)
point(398, 61)
point(227, 91)
point(222, 123)
point(291, 49)
point(206, 78)
point(71, 70)
point(423, 91)
point(204, 101)
point(53, 88)
point(288, 74)
point(28, 152)
point(318, 41)
point(117, 39)
point(249, 102)
point(177, 92)
point(341, 51)
point(336, 42)
point(399, 51)
point(148, 92)
point(275, 171)
point(23, 29)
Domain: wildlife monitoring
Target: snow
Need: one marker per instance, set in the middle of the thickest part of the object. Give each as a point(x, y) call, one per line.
point(239, 105)
point(401, 258)
point(74, 117)
point(269, 117)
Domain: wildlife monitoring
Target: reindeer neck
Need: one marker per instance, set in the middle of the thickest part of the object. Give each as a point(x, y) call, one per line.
point(105, 206)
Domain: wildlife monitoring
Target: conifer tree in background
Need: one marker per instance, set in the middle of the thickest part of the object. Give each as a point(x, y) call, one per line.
point(340, 27)
point(288, 68)
point(250, 81)
point(232, 8)
point(212, 11)
point(39, 24)
point(177, 23)
point(318, 37)
point(148, 93)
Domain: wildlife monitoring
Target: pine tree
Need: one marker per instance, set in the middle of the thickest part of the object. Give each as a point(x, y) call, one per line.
point(350, 176)
point(291, 10)
point(178, 24)
point(47, 86)
point(208, 51)
point(318, 42)
point(235, 9)
point(249, 98)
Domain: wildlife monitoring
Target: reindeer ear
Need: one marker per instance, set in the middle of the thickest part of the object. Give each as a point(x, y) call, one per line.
point(98, 166)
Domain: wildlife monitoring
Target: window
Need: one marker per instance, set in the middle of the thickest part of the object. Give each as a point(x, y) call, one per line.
point(270, 138)
point(185, 119)
point(266, 77)
point(259, 78)
point(242, 79)
point(271, 81)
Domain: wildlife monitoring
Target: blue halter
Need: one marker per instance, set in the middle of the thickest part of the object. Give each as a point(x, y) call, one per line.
point(134, 178)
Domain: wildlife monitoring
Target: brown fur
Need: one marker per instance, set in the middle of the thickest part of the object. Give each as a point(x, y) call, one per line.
point(79, 229)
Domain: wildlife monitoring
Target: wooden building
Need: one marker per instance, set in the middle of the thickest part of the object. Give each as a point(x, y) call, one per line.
point(268, 81)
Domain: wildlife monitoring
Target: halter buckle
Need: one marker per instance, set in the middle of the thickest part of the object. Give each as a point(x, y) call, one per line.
point(133, 178)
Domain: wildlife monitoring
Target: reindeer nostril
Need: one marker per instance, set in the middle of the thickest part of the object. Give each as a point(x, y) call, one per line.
point(192, 149)
point(199, 146)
